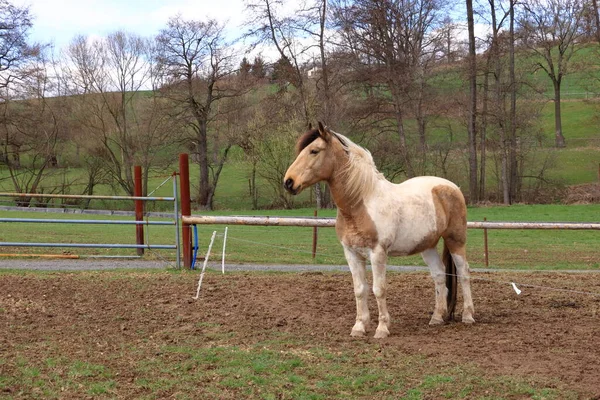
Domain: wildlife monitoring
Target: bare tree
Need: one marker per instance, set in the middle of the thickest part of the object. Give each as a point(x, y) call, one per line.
point(391, 42)
point(494, 118)
point(507, 127)
point(15, 51)
point(32, 126)
point(196, 63)
point(513, 175)
point(109, 75)
point(553, 30)
point(450, 47)
point(269, 24)
point(126, 71)
point(295, 35)
point(472, 116)
point(313, 20)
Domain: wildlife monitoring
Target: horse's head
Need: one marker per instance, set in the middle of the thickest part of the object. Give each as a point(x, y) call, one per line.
point(314, 162)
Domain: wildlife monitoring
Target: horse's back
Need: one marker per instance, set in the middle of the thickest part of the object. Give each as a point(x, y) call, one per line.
point(426, 182)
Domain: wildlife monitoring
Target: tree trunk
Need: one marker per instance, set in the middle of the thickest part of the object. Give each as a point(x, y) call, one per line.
point(596, 19)
point(559, 138)
point(421, 118)
point(410, 173)
point(253, 188)
point(483, 132)
point(204, 183)
point(472, 123)
point(145, 178)
point(318, 196)
point(218, 168)
point(504, 174)
point(513, 163)
point(327, 106)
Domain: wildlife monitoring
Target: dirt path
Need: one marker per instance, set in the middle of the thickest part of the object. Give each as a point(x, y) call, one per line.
point(549, 333)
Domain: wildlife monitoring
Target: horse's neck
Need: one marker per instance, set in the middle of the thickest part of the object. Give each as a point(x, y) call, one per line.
point(345, 199)
point(339, 195)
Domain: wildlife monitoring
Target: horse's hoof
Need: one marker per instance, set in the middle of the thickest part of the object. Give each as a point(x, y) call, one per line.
point(467, 319)
point(357, 333)
point(381, 334)
point(436, 321)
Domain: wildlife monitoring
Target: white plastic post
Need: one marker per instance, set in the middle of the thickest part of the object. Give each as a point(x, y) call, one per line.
point(212, 239)
point(223, 257)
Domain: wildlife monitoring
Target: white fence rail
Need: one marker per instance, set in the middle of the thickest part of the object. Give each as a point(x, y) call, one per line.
point(327, 222)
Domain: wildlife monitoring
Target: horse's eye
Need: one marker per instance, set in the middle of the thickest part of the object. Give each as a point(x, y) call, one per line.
point(314, 151)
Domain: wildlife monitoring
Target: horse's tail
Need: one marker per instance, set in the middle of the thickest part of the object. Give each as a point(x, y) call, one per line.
point(451, 281)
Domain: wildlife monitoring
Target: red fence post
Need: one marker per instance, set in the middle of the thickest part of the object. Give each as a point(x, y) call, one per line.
point(186, 208)
point(139, 208)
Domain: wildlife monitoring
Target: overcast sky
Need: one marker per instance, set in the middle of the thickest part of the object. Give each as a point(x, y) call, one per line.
point(59, 21)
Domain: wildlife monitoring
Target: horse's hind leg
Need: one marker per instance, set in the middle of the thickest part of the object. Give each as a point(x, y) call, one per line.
point(356, 262)
point(438, 273)
point(378, 264)
point(458, 253)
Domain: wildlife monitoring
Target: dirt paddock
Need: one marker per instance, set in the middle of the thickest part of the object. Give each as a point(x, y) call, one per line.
point(548, 333)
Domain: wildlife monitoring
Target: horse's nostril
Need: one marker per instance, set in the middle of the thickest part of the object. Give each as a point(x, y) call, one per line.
point(289, 183)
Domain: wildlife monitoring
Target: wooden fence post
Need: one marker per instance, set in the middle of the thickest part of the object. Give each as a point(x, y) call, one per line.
point(139, 208)
point(186, 209)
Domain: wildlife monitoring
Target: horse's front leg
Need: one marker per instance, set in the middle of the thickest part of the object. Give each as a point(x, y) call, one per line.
point(378, 264)
point(356, 262)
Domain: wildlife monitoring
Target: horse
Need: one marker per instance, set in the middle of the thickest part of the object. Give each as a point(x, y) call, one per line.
point(377, 218)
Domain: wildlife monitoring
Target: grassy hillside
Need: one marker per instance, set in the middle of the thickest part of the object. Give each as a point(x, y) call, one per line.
point(576, 164)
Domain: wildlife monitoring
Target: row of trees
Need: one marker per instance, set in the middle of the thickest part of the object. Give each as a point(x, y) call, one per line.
point(393, 74)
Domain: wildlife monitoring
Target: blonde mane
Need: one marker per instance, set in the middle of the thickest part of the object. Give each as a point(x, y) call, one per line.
point(359, 173)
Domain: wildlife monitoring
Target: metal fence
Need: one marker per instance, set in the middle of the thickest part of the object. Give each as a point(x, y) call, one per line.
point(138, 222)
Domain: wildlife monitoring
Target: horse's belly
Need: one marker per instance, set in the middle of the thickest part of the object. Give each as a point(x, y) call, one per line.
point(412, 241)
point(398, 253)
point(402, 250)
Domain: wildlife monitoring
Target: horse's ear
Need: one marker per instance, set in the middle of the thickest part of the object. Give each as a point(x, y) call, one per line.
point(324, 132)
point(310, 126)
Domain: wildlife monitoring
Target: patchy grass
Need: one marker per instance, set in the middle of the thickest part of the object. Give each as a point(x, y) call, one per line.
point(280, 367)
point(135, 335)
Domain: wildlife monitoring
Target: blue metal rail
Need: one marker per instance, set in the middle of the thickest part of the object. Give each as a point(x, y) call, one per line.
point(90, 245)
point(85, 221)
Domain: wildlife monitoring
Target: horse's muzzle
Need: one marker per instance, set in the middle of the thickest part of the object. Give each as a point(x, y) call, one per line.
point(289, 186)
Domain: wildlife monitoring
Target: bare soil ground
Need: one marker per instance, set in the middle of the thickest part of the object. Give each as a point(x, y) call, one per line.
point(545, 333)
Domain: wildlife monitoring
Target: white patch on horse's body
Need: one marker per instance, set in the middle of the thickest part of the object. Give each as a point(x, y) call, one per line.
point(402, 229)
point(377, 218)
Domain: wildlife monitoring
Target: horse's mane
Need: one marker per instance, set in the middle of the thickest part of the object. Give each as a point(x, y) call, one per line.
point(359, 173)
